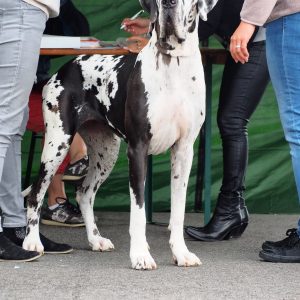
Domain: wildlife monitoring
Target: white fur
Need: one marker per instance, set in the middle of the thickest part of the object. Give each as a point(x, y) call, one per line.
point(108, 74)
point(176, 111)
point(139, 248)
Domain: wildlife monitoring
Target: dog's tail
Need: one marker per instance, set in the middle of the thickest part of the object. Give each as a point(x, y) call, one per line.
point(27, 191)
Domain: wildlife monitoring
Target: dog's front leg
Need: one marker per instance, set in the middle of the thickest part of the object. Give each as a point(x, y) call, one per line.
point(181, 160)
point(140, 256)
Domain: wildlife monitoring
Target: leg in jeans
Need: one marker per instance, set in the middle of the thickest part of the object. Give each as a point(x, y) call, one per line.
point(241, 90)
point(283, 54)
point(13, 210)
point(21, 28)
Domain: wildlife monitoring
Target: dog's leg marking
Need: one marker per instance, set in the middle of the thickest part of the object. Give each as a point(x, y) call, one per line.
point(181, 160)
point(56, 146)
point(50, 163)
point(140, 256)
point(103, 149)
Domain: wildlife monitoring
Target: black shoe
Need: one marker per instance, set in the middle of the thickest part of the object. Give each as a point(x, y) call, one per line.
point(17, 236)
point(270, 244)
point(76, 172)
point(285, 251)
point(230, 220)
point(66, 214)
point(12, 253)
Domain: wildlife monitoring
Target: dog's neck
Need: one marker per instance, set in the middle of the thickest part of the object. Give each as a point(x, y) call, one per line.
point(187, 48)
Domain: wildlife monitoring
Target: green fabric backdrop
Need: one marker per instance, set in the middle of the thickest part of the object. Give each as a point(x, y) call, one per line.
point(270, 183)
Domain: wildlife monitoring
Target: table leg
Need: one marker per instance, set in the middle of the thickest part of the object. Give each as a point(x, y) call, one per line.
point(148, 191)
point(207, 155)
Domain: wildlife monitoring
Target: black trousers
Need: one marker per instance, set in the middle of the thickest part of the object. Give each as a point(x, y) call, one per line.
point(241, 90)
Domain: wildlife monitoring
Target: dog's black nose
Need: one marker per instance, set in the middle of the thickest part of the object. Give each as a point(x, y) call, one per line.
point(169, 3)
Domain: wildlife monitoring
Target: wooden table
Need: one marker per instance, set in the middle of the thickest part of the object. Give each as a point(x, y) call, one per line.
point(210, 57)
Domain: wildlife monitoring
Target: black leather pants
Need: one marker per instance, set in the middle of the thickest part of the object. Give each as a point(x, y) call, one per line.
point(241, 90)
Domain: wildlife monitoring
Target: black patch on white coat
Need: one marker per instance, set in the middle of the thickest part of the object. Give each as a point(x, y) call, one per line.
point(138, 133)
point(32, 197)
point(71, 78)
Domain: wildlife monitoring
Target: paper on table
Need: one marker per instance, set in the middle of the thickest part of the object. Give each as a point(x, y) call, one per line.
point(58, 41)
point(89, 42)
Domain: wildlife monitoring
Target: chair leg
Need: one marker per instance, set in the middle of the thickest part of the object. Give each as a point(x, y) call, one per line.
point(200, 171)
point(34, 136)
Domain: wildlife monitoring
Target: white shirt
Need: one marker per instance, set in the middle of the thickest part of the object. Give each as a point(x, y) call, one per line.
point(50, 7)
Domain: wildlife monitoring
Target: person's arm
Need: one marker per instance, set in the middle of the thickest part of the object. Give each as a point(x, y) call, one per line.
point(137, 26)
point(257, 12)
point(239, 42)
point(254, 12)
point(136, 43)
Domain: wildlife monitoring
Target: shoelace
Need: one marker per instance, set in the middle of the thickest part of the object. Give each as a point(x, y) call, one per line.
point(68, 205)
point(73, 208)
point(293, 237)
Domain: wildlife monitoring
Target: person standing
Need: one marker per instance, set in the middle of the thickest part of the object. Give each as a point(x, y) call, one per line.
point(282, 21)
point(241, 90)
point(21, 27)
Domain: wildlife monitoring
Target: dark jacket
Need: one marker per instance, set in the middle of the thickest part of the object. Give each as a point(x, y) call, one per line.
point(70, 22)
point(221, 21)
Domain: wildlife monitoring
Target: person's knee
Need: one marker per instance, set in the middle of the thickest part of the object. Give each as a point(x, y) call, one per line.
point(231, 125)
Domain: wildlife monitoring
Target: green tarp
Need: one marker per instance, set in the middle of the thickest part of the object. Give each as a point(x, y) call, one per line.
point(269, 182)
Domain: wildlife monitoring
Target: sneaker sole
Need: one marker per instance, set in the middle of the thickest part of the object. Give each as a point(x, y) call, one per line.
point(22, 260)
point(59, 252)
point(55, 223)
point(72, 178)
point(278, 258)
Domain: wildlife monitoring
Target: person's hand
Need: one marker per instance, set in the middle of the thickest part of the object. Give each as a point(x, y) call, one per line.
point(239, 41)
point(137, 26)
point(136, 44)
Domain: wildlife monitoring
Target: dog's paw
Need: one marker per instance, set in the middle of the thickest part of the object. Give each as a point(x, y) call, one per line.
point(186, 259)
point(140, 257)
point(183, 257)
point(31, 243)
point(102, 244)
point(142, 261)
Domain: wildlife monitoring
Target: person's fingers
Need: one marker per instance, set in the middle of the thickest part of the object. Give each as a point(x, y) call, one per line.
point(234, 48)
point(140, 42)
point(238, 49)
point(239, 42)
point(136, 43)
point(125, 21)
point(244, 51)
point(136, 38)
point(131, 49)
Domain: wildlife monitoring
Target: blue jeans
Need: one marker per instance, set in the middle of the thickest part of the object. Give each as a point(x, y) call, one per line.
point(21, 28)
point(283, 56)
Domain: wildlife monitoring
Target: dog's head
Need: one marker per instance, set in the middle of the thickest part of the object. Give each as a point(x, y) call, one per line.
point(176, 21)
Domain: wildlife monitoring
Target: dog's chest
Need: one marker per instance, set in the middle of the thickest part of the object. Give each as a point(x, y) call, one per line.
point(175, 99)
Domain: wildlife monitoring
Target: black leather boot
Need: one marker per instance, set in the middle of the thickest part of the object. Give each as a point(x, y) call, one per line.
point(229, 220)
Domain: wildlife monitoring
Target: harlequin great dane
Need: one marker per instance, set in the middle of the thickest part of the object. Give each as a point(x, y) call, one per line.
point(154, 101)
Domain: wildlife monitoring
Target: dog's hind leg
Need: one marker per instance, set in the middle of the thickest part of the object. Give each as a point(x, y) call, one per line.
point(181, 162)
point(140, 256)
point(103, 148)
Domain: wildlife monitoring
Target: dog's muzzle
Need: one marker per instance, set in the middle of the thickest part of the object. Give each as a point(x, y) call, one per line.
point(171, 32)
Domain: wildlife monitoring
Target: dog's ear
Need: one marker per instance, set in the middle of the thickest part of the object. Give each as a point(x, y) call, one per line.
point(150, 6)
point(205, 6)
